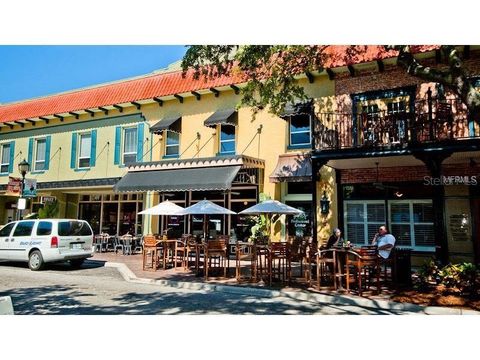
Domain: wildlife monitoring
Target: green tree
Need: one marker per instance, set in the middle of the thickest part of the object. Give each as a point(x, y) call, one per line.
point(271, 71)
point(49, 211)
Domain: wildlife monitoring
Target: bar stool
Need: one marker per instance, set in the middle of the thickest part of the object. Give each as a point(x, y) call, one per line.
point(245, 252)
point(150, 253)
point(280, 262)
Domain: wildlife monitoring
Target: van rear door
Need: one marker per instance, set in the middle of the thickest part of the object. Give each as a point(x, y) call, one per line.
point(74, 236)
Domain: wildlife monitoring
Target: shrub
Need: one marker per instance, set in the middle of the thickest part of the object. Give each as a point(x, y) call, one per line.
point(428, 274)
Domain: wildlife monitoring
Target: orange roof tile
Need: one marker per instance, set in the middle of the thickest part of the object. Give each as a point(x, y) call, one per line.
point(158, 85)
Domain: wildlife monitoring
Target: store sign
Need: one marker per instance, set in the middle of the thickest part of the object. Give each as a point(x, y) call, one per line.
point(47, 199)
point(14, 186)
point(30, 189)
point(22, 204)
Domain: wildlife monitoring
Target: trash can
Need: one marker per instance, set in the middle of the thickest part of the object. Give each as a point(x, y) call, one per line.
point(402, 267)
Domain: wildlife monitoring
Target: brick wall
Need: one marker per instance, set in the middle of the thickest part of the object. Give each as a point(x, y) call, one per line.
point(403, 173)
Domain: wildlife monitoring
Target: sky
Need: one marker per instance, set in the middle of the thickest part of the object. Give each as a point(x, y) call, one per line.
point(32, 71)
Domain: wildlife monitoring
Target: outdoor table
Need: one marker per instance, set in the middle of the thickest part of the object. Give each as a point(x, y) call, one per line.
point(341, 254)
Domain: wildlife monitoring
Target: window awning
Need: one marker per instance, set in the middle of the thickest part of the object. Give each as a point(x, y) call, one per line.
point(195, 179)
point(172, 123)
point(222, 117)
point(292, 168)
point(292, 109)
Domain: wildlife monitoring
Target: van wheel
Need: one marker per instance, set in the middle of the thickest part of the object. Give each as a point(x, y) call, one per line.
point(76, 263)
point(35, 260)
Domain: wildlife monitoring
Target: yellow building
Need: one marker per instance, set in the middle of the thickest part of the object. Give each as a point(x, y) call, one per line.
point(109, 151)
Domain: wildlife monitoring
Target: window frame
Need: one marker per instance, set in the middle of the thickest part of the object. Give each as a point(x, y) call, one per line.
point(234, 140)
point(1, 157)
point(290, 133)
point(124, 133)
point(35, 154)
point(166, 135)
point(79, 150)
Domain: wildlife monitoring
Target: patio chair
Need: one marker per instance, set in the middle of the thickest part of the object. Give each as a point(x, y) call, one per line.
point(180, 253)
point(127, 244)
point(138, 244)
point(150, 253)
point(216, 255)
point(97, 243)
point(326, 267)
point(118, 244)
point(363, 264)
point(191, 252)
point(280, 262)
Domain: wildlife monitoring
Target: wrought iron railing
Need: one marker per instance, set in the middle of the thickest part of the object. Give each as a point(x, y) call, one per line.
point(429, 121)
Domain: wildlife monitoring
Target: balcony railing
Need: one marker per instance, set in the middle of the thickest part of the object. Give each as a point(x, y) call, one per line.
point(431, 121)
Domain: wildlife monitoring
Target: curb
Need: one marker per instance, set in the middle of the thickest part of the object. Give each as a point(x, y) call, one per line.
point(337, 299)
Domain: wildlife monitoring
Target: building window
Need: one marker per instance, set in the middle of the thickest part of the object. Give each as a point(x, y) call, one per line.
point(40, 154)
point(172, 144)
point(227, 139)
point(362, 220)
point(396, 107)
point(129, 145)
point(412, 223)
point(5, 164)
point(84, 154)
point(300, 130)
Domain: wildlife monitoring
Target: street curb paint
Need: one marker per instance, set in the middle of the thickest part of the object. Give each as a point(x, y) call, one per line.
point(336, 299)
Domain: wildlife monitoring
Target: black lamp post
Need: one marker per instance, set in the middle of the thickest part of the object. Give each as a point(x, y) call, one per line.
point(23, 168)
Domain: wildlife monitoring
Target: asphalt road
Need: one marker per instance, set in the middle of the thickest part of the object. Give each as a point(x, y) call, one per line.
point(98, 290)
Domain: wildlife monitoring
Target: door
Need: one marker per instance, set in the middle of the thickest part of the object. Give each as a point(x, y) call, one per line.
point(21, 241)
point(5, 241)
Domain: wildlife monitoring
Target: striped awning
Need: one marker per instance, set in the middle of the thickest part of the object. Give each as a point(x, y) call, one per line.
point(292, 168)
point(222, 117)
point(172, 123)
point(185, 179)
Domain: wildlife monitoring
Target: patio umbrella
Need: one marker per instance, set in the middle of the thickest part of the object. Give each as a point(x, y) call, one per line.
point(269, 208)
point(206, 207)
point(166, 207)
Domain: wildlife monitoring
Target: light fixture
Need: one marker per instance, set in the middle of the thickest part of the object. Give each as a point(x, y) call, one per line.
point(324, 204)
point(398, 194)
point(23, 167)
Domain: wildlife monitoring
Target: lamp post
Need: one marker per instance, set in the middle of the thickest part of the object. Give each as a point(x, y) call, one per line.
point(23, 168)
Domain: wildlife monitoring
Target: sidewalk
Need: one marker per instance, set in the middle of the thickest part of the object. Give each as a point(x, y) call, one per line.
point(130, 267)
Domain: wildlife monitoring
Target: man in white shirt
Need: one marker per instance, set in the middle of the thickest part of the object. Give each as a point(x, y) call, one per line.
point(384, 242)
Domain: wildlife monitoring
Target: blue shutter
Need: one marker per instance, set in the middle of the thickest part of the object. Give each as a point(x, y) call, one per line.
point(118, 137)
point(48, 142)
point(30, 153)
point(93, 148)
point(73, 154)
point(12, 156)
point(140, 129)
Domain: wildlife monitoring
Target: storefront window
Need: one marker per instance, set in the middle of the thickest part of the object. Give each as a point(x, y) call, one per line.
point(300, 225)
point(110, 217)
point(90, 212)
point(128, 212)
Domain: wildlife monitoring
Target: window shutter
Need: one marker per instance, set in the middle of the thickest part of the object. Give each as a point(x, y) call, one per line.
point(140, 130)
point(48, 141)
point(30, 152)
point(73, 158)
point(93, 148)
point(118, 136)
point(12, 156)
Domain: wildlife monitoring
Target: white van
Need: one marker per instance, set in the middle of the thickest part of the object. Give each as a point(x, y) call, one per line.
point(42, 241)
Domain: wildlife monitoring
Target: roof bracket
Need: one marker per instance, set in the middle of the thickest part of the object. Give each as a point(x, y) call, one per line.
point(236, 89)
point(331, 74)
point(197, 95)
point(215, 91)
point(31, 122)
point(19, 123)
point(74, 114)
point(59, 117)
point(180, 98)
point(103, 109)
point(351, 70)
point(92, 113)
point(44, 119)
point(118, 107)
point(136, 104)
point(380, 65)
point(158, 100)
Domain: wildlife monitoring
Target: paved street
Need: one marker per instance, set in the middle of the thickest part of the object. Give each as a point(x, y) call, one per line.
point(98, 290)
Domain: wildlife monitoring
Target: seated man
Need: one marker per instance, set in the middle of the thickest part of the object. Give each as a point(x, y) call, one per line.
point(384, 242)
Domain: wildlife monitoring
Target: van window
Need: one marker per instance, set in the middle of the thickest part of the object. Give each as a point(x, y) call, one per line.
point(44, 228)
point(73, 228)
point(24, 228)
point(6, 230)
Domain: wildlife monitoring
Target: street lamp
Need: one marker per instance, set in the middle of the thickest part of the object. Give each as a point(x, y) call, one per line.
point(23, 168)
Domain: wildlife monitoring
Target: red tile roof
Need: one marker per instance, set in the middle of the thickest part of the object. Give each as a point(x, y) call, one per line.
point(158, 85)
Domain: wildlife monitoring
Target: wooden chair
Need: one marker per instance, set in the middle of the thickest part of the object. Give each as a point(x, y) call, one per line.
point(326, 260)
point(297, 251)
point(191, 251)
point(363, 264)
point(245, 252)
point(262, 252)
point(309, 259)
point(216, 251)
point(151, 255)
point(280, 262)
point(180, 253)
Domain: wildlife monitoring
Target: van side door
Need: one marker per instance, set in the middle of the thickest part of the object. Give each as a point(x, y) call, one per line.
point(21, 240)
point(5, 241)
